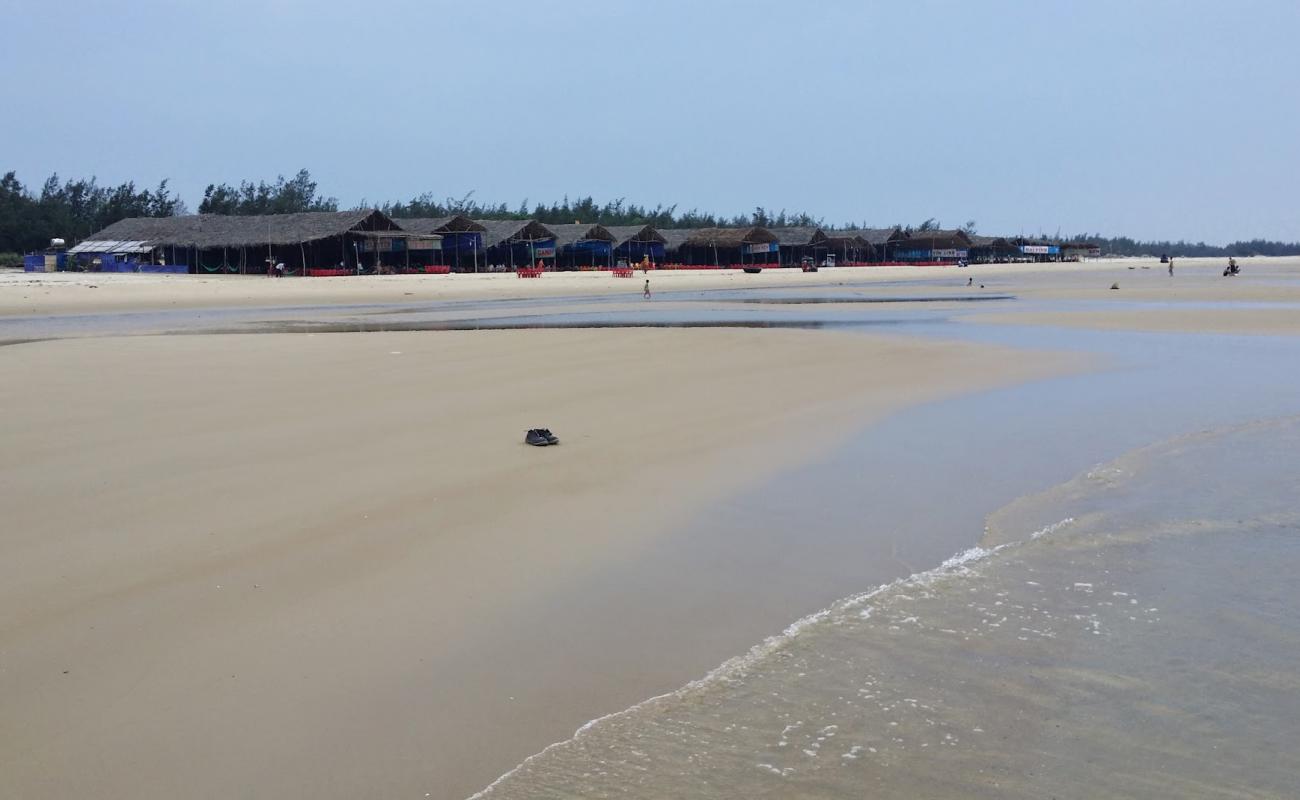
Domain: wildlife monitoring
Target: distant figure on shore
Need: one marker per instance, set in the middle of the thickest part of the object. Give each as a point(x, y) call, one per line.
point(970, 281)
point(646, 293)
point(1171, 266)
point(1232, 268)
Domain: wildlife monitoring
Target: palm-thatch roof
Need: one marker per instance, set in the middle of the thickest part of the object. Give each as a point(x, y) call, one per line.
point(578, 232)
point(991, 241)
point(635, 233)
point(503, 231)
point(940, 237)
point(720, 237)
point(872, 236)
point(457, 223)
point(802, 236)
point(675, 238)
point(205, 231)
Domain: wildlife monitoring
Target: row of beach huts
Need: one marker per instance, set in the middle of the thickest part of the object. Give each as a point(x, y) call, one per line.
point(368, 241)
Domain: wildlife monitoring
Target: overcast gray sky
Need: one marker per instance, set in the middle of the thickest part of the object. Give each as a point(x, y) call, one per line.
point(1152, 119)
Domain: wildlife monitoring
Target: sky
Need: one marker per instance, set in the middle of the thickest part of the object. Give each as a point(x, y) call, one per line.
point(1143, 118)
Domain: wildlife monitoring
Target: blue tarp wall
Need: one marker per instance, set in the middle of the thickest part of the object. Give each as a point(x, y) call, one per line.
point(35, 262)
point(929, 255)
point(635, 251)
point(524, 253)
point(466, 241)
point(108, 262)
point(586, 250)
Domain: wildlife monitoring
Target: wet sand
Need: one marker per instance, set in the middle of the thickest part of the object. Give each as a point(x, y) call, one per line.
point(1233, 321)
point(288, 565)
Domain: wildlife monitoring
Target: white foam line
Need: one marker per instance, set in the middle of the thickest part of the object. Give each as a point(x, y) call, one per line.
point(954, 566)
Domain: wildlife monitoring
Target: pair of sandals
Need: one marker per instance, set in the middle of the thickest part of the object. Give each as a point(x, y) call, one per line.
point(540, 437)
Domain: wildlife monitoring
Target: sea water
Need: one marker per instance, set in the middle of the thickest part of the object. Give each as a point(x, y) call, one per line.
point(1142, 642)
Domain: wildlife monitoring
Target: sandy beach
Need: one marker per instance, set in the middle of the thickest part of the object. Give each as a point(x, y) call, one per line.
point(1148, 299)
point(291, 564)
point(286, 564)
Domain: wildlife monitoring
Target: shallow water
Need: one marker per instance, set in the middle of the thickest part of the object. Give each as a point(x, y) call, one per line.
point(1142, 644)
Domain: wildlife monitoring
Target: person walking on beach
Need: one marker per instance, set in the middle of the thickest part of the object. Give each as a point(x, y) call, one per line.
point(1171, 266)
point(646, 293)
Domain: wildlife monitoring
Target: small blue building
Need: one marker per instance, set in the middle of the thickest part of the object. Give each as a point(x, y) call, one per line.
point(634, 243)
point(462, 239)
point(580, 246)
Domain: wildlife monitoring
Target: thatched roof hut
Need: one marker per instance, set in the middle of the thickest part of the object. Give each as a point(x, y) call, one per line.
point(985, 249)
point(634, 243)
point(674, 238)
point(876, 237)
point(803, 236)
point(624, 234)
point(932, 245)
point(940, 239)
point(722, 246)
point(849, 247)
point(578, 232)
point(580, 245)
point(213, 231)
point(498, 232)
point(729, 237)
point(363, 238)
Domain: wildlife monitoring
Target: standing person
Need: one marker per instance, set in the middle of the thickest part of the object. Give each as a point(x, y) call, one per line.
point(1171, 266)
point(646, 293)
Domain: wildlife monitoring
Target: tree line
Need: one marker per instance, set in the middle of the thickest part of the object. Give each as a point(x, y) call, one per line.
point(586, 209)
point(1126, 246)
point(74, 209)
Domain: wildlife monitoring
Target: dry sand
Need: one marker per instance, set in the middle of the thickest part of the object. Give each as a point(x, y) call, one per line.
point(1142, 281)
point(297, 565)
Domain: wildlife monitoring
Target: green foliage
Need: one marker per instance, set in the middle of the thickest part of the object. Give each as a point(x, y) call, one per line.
point(73, 209)
point(1126, 246)
point(282, 197)
point(586, 209)
point(11, 259)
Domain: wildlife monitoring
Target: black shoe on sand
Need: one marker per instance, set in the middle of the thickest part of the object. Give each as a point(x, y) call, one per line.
point(550, 437)
point(535, 438)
